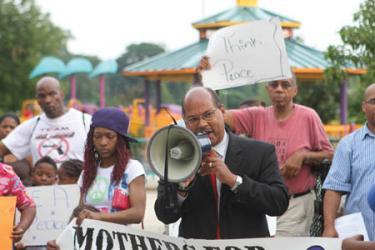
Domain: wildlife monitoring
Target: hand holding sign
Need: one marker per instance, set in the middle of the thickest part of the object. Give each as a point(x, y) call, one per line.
point(245, 54)
point(87, 214)
point(54, 207)
point(17, 233)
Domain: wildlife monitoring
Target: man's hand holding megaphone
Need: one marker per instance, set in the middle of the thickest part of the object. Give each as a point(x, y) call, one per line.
point(213, 164)
point(184, 186)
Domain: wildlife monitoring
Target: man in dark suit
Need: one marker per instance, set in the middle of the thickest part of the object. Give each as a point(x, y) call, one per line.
point(247, 186)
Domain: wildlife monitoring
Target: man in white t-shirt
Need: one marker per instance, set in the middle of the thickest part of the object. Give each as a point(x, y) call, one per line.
point(59, 132)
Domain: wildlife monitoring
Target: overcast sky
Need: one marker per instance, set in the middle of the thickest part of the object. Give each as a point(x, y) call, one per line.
point(105, 27)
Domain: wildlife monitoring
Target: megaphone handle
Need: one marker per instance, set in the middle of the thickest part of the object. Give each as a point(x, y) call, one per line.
point(166, 155)
point(171, 202)
point(169, 194)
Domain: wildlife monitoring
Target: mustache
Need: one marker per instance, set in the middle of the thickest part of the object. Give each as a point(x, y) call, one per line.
point(204, 132)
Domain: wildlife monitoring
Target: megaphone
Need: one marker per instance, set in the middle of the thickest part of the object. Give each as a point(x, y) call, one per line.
point(176, 152)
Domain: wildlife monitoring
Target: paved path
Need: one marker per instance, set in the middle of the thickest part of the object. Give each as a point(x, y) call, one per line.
point(151, 223)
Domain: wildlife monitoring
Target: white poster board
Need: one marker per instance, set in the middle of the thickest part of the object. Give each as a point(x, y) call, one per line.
point(103, 235)
point(54, 205)
point(350, 225)
point(246, 54)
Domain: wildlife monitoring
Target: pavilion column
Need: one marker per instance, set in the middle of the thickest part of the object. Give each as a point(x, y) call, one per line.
point(73, 87)
point(147, 102)
point(343, 101)
point(102, 91)
point(158, 96)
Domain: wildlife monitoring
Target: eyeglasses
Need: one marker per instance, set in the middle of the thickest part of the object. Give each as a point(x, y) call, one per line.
point(207, 116)
point(283, 84)
point(371, 101)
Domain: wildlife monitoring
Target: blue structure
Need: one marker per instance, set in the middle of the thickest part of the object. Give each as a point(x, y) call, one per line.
point(105, 67)
point(74, 66)
point(47, 65)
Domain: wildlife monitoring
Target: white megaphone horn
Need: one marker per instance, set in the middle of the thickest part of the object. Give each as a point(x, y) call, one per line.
point(176, 152)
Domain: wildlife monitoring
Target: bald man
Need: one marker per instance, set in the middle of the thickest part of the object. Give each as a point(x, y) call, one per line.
point(59, 132)
point(352, 172)
point(247, 186)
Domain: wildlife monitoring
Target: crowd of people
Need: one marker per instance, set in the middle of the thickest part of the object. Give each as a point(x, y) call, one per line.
point(269, 171)
point(69, 147)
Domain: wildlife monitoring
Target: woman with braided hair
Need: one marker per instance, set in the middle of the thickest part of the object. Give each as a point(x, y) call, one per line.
point(111, 180)
point(112, 183)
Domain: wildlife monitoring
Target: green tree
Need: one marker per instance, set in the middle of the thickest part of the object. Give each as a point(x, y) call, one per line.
point(322, 96)
point(138, 52)
point(123, 90)
point(358, 49)
point(174, 92)
point(26, 34)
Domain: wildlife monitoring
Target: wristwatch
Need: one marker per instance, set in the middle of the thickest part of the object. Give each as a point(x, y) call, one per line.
point(237, 184)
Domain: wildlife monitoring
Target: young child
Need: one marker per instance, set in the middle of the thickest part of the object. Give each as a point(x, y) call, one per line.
point(44, 172)
point(69, 171)
point(10, 185)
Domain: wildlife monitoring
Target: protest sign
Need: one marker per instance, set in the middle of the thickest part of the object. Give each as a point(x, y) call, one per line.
point(103, 235)
point(54, 205)
point(246, 54)
point(7, 209)
point(350, 225)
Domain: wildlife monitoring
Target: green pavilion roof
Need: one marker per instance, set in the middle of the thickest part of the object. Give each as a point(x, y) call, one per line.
point(184, 58)
point(305, 61)
point(302, 56)
point(240, 14)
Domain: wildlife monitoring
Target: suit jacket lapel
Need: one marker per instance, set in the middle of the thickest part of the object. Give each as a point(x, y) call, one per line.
point(233, 160)
point(233, 156)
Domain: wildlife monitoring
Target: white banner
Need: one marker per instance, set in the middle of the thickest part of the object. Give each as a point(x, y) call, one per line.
point(350, 225)
point(54, 206)
point(102, 235)
point(246, 54)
